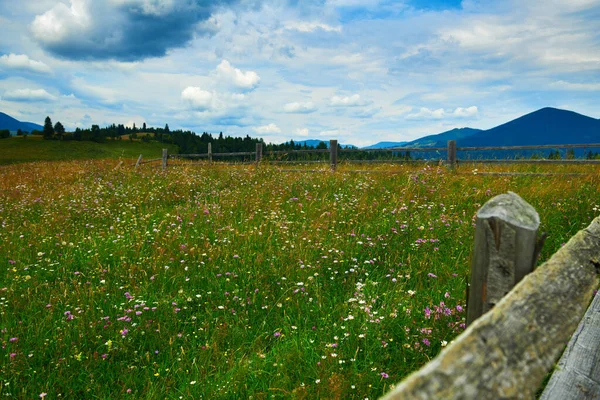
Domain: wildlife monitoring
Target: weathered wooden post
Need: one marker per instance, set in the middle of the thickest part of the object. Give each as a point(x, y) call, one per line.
point(333, 153)
point(451, 153)
point(504, 251)
point(165, 155)
point(258, 152)
point(138, 161)
point(210, 153)
point(578, 372)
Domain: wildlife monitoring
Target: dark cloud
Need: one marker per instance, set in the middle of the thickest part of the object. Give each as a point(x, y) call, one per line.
point(124, 30)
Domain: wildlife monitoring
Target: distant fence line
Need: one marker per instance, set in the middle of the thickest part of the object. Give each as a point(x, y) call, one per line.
point(451, 154)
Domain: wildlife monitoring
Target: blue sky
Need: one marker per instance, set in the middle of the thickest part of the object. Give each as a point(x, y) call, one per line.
point(356, 71)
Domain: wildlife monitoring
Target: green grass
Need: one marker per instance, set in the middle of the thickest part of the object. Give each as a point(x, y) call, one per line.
point(17, 149)
point(227, 282)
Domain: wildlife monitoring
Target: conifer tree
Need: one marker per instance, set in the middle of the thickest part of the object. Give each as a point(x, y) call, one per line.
point(48, 128)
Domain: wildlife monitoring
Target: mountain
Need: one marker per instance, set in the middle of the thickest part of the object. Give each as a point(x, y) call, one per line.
point(544, 126)
point(384, 145)
point(8, 122)
point(441, 139)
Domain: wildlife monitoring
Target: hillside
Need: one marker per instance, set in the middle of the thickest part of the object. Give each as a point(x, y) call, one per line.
point(34, 148)
point(441, 139)
point(12, 124)
point(385, 145)
point(544, 126)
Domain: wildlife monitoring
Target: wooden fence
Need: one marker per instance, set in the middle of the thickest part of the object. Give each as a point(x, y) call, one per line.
point(450, 151)
point(519, 321)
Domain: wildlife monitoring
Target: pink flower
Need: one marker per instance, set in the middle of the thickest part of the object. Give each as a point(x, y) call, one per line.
point(384, 375)
point(277, 334)
point(14, 339)
point(427, 313)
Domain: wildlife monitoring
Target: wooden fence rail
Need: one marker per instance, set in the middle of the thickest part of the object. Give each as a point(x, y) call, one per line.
point(451, 150)
point(507, 352)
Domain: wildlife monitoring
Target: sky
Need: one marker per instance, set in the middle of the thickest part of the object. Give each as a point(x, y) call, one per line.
point(357, 71)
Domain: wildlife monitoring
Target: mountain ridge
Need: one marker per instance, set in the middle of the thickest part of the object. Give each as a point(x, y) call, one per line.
point(13, 124)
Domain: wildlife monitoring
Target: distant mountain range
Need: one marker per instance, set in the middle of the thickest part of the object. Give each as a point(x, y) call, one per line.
point(545, 126)
point(8, 122)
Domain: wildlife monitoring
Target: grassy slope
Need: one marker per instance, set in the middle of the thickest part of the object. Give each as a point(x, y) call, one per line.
point(34, 148)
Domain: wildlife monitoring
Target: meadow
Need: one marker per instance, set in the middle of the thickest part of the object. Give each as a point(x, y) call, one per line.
point(225, 282)
point(19, 149)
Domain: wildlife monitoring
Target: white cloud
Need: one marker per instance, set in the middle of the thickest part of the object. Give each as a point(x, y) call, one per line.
point(347, 101)
point(28, 95)
point(244, 80)
point(440, 113)
point(300, 108)
point(466, 112)
point(197, 98)
point(271, 128)
point(306, 27)
point(426, 113)
point(22, 61)
point(302, 132)
point(576, 86)
point(61, 21)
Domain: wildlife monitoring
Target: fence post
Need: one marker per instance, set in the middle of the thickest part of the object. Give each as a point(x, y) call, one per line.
point(258, 152)
point(333, 153)
point(210, 153)
point(504, 251)
point(138, 161)
point(452, 153)
point(165, 155)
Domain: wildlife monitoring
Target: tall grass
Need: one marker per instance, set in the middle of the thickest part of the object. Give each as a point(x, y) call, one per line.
point(231, 282)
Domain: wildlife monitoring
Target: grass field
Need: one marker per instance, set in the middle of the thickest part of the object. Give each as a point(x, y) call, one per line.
point(229, 282)
point(17, 149)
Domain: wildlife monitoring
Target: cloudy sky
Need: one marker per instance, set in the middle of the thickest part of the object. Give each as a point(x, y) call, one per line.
point(352, 70)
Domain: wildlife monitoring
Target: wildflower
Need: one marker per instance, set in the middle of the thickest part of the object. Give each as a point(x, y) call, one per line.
point(431, 275)
point(277, 334)
point(14, 339)
point(128, 390)
point(13, 355)
point(427, 312)
point(43, 394)
point(124, 332)
point(426, 342)
point(384, 375)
